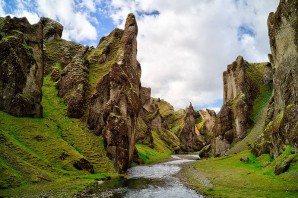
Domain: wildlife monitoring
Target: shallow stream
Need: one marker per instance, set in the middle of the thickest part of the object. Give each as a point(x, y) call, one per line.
point(149, 181)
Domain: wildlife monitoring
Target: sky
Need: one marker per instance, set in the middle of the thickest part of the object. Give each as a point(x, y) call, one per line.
point(184, 46)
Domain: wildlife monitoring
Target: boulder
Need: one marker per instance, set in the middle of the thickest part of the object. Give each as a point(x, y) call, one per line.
point(244, 159)
point(84, 164)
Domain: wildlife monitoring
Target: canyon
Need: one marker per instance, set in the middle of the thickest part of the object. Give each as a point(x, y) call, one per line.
point(73, 114)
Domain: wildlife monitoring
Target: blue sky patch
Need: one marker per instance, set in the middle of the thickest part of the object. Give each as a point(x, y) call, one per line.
point(154, 13)
point(245, 30)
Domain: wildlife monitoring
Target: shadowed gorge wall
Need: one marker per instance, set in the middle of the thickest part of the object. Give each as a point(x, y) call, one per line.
point(281, 123)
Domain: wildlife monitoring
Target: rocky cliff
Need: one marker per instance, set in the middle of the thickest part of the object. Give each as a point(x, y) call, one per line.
point(21, 67)
point(208, 117)
point(115, 105)
point(67, 63)
point(281, 123)
point(243, 83)
point(189, 136)
point(100, 86)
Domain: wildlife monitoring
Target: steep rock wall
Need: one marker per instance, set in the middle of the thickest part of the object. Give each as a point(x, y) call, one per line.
point(242, 85)
point(21, 67)
point(189, 138)
point(281, 124)
point(115, 105)
point(208, 118)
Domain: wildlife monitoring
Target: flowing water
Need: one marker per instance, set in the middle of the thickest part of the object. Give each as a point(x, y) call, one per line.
point(149, 181)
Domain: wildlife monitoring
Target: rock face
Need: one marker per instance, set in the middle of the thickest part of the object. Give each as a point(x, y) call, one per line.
point(234, 120)
point(145, 122)
point(21, 67)
point(209, 120)
point(115, 105)
point(281, 125)
point(51, 29)
point(189, 138)
point(67, 62)
point(74, 84)
point(58, 52)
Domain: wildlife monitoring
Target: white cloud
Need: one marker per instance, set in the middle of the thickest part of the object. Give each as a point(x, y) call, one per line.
point(73, 15)
point(185, 49)
point(2, 4)
point(89, 4)
point(76, 23)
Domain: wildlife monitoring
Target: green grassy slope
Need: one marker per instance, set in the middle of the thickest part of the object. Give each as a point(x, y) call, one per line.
point(159, 152)
point(255, 71)
point(37, 154)
point(229, 177)
point(253, 135)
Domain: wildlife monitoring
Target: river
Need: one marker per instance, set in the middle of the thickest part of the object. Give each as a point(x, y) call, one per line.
point(148, 181)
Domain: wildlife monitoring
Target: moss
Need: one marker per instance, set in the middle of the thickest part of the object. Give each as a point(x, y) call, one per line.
point(56, 47)
point(25, 97)
point(198, 120)
point(28, 49)
point(165, 108)
point(2, 22)
point(209, 134)
point(172, 120)
point(255, 72)
point(97, 69)
point(200, 125)
point(10, 37)
point(278, 120)
point(53, 48)
point(31, 150)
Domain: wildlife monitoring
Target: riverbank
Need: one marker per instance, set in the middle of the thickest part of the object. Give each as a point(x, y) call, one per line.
point(154, 180)
point(229, 177)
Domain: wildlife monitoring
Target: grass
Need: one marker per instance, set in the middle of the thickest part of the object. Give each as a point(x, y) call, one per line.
point(54, 49)
point(255, 72)
point(98, 70)
point(200, 125)
point(152, 155)
point(253, 135)
point(232, 178)
point(2, 22)
point(172, 120)
point(31, 150)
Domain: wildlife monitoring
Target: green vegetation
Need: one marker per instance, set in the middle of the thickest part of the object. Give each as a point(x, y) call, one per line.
point(2, 22)
point(37, 154)
point(199, 125)
point(253, 135)
point(10, 37)
point(172, 120)
point(158, 153)
point(102, 58)
point(232, 178)
point(255, 72)
point(28, 49)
